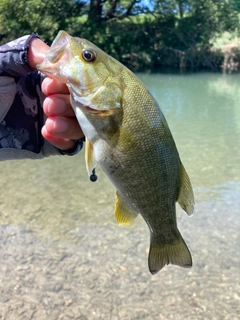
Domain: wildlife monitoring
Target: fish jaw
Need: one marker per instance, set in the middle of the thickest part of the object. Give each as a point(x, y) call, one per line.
point(61, 63)
point(58, 48)
point(55, 56)
point(107, 97)
point(89, 83)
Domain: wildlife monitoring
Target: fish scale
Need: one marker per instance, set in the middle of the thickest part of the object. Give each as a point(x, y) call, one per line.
point(128, 136)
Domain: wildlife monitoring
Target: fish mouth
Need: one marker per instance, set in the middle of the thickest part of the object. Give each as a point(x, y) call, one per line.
point(51, 74)
point(95, 111)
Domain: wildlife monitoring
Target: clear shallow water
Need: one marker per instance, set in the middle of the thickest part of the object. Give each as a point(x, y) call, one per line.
point(62, 256)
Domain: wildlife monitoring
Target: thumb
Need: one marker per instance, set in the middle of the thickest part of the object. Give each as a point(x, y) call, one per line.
point(36, 52)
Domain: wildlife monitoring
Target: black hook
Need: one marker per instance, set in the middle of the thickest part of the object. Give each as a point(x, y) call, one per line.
point(93, 176)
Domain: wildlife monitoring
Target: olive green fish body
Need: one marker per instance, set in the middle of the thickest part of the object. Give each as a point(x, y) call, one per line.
point(128, 136)
point(147, 177)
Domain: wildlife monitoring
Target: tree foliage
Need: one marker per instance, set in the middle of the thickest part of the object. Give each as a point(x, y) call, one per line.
point(174, 33)
point(45, 17)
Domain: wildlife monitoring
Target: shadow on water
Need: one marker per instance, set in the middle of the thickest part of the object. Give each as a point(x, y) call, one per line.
point(62, 256)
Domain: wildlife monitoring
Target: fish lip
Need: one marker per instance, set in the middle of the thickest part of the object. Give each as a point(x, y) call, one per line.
point(49, 73)
point(95, 111)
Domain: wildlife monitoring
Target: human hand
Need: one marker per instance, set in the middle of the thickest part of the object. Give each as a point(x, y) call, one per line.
point(61, 128)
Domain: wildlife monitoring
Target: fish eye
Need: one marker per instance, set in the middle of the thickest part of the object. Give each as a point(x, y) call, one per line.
point(88, 55)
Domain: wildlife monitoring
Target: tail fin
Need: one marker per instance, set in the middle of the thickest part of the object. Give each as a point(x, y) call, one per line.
point(161, 254)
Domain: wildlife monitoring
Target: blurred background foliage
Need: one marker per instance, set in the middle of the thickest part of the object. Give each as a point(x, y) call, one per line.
point(143, 34)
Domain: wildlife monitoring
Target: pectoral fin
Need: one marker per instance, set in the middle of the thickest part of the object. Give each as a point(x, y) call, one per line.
point(89, 157)
point(185, 197)
point(124, 214)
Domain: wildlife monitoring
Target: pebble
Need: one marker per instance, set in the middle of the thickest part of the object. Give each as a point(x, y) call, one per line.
point(105, 276)
point(58, 287)
point(68, 302)
point(58, 302)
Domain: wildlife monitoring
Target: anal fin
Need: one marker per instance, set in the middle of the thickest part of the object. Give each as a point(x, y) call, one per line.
point(124, 214)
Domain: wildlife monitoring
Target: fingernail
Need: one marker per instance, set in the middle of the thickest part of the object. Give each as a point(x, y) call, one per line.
point(60, 125)
point(57, 125)
point(54, 107)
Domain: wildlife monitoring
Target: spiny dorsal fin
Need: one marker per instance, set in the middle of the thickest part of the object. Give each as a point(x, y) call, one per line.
point(185, 196)
point(124, 214)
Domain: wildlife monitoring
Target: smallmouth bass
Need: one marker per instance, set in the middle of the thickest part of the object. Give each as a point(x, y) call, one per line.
point(128, 136)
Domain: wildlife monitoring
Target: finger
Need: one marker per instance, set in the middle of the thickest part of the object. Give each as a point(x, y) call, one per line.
point(60, 143)
point(53, 86)
point(63, 127)
point(36, 52)
point(58, 104)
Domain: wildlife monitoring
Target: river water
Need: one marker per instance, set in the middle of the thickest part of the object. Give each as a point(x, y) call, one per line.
point(62, 255)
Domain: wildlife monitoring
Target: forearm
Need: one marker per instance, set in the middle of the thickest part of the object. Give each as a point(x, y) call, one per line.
point(13, 64)
point(14, 57)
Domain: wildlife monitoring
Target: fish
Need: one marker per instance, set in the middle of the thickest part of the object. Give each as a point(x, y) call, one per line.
point(128, 136)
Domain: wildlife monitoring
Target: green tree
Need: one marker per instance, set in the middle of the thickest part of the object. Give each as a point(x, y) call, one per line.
point(109, 10)
point(172, 33)
point(237, 5)
point(192, 25)
point(44, 17)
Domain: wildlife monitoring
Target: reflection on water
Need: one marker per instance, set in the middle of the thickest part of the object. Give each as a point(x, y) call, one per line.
point(62, 256)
